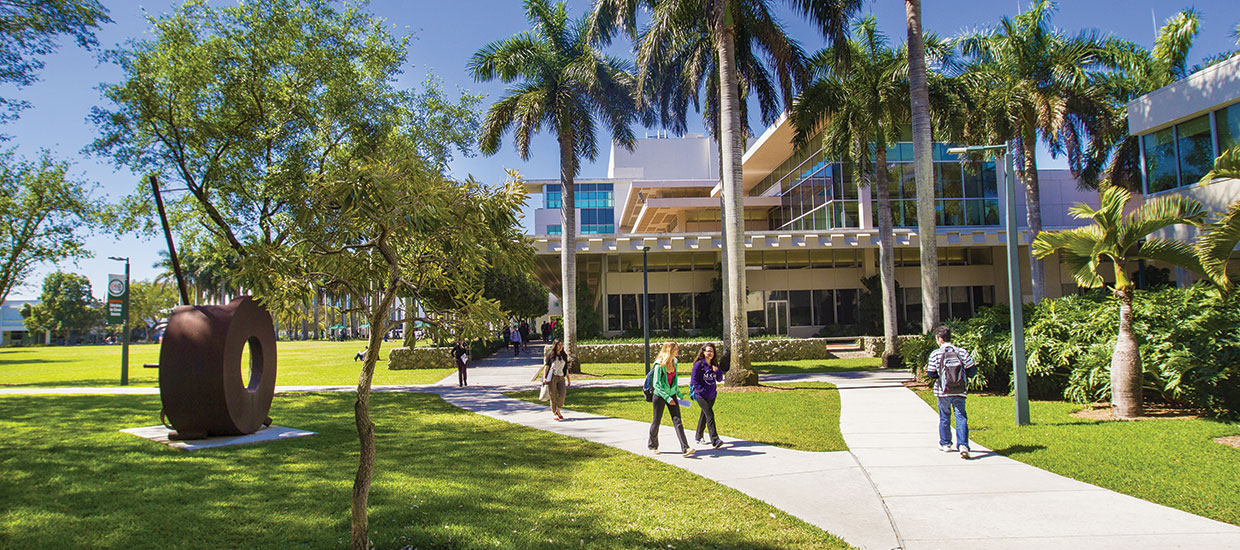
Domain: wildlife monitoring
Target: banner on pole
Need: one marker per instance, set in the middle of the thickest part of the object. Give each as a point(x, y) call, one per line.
point(118, 291)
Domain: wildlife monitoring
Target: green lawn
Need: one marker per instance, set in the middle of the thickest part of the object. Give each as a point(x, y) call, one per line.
point(638, 370)
point(299, 363)
point(1173, 462)
point(445, 478)
point(803, 416)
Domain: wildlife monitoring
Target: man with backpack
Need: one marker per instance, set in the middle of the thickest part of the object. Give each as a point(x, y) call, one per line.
point(951, 367)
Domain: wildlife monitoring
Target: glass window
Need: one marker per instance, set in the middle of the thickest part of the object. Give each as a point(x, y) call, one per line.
point(629, 317)
point(703, 303)
point(1195, 149)
point(658, 312)
point(990, 180)
point(1227, 120)
point(983, 212)
point(908, 181)
point(613, 312)
point(1160, 165)
point(846, 306)
point(553, 229)
point(824, 307)
point(950, 182)
point(950, 212)
point(799, 309)
point(681, 310)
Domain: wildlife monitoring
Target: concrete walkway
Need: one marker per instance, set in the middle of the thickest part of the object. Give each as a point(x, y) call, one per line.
point(892, 489)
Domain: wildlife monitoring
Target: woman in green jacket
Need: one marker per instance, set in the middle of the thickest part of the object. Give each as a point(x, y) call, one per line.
point(667, 394)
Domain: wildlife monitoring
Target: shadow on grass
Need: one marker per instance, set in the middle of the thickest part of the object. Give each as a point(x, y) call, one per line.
point(1019, 449)
point(443, 479)
point(87, 383)
point(32, 361)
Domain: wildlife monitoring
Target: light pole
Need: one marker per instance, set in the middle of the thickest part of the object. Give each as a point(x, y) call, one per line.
point(646, 308)
point(124, 324)
point(1015, 302)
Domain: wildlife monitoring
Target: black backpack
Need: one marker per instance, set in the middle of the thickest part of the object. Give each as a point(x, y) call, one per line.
point(951, 373)
point(648, 386)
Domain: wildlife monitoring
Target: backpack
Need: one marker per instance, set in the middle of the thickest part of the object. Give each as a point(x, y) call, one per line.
point(648, 386)
point(951, 373)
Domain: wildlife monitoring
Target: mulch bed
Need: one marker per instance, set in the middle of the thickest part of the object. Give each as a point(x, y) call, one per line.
point(1153, 411)
point(1232, 440)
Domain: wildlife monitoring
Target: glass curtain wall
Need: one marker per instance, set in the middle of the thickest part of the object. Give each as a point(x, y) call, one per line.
point(596, 201)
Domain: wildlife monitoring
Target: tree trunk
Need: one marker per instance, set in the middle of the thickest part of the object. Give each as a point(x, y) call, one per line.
point(1126, 371)
point(923, 168)
point(886, 254)
point(1033, 214)
point(733, 218)
point(726, 323)
point(359, 522)
point(568, 246)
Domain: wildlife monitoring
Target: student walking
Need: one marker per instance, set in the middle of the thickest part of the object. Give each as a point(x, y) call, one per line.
point(546, 332)
point(666, 386)
point(461, 354)
point(555, 376)
point(524, 329)
point(702, 381)
point(951, 367)
point(515, 338)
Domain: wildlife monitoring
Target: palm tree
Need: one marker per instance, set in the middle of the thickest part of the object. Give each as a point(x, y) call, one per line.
point(561, 80)
point(726, 21)
point(1119, 240)
point(923, 167)
point(1214, 247)
point(1031, 81)
point(858, 105)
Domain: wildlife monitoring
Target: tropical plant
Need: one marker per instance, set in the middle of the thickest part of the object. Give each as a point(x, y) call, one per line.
point(1222, 235)
point(149, 303)
point(561, 80)
point(727, 25)
point(923, 164)
point(1113, 241)
point(1029, 81)
point(860, 107)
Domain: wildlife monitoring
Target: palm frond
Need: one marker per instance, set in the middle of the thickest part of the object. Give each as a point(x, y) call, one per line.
point(1215, 246)
point(1170, 251)
point(1227, 165)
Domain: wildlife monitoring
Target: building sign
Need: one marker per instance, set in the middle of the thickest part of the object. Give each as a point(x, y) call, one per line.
point(118, 294)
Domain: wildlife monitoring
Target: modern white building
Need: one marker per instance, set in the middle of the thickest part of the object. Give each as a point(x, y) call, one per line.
point(12, 324)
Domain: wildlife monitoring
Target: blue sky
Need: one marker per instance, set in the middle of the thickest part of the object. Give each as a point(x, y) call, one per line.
point(445, 35)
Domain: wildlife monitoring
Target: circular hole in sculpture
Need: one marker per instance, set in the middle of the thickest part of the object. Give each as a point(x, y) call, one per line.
point(252, 364)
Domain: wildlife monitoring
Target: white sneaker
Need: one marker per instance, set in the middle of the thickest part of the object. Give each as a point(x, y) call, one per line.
point(964, 452)
point(946, 448)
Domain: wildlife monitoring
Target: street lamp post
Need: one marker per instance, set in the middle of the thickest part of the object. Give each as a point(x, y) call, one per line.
point(1015, 301)
point(646, 308)
point(124, 324)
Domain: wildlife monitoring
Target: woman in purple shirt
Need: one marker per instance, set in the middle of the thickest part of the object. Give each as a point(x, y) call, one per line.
point(706, 373)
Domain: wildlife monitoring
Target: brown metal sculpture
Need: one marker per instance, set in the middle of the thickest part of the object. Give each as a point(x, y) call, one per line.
point(200, 381)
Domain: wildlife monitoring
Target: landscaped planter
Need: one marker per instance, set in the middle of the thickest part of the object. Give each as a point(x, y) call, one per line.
point(874, 345)
point(759, 350)
point(420, 358)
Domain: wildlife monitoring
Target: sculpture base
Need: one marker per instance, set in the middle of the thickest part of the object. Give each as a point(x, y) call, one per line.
point(163, 435)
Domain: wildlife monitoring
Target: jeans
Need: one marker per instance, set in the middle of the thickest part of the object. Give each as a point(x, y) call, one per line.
point(946, 405)
point(674, 410)
point(461, 375)
point(706, 420)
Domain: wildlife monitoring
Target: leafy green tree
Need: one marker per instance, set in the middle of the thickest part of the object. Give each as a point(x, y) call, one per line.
point(1113, 242)
point(43, 217)
point(726, 25)
point(1031, 81)
point(150, 303)
point(517, 293)
point(31, 30)
point(65, 305)
point(561, 80)
point(281, 120)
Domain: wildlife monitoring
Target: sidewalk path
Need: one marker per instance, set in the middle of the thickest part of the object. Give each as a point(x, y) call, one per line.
point(893, 488)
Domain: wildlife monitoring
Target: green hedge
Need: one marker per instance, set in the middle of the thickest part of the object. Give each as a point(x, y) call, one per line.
point(1189, 340)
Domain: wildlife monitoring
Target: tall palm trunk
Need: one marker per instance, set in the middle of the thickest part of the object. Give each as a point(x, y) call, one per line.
point(568, 247)
point(1126, 372)
point(923, 168)
point(1033, 213)
point(726, 327)
point(733, 205)
point(886, 253)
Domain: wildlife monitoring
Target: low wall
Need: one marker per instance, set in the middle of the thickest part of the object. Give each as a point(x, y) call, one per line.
point(759, 350)
point(873, 346)
point(420, 358)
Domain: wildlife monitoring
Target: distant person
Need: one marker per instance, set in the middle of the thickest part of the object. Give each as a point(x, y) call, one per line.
point(361, 356)
point(555, 376)
point(515, 337)
point(667, 394)
point(524, 329)
point(951, 367)
point(702, 381)
point(546, 332)
point(461, 354)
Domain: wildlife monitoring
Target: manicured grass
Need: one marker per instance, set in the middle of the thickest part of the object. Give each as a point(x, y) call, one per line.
point(299, 363)
point(804, 366)
point(1172, 462)
point(444, 478)
point(801, 416)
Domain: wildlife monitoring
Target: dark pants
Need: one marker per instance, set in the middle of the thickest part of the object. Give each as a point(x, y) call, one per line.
point(947, 404)
point(673, 410)
point(460, 373)
point(706, 420)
